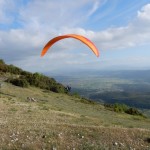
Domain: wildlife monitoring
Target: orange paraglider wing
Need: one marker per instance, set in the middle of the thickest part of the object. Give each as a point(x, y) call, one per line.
point(75, 36)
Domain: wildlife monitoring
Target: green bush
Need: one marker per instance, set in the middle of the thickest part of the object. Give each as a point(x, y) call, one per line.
point(133, 111)
point(45, 82)
point(120, 107)
point(3, 66)
point(116, 107)
point(19, 82)
point(13, 69)
point(34, 79)
point(56, 89)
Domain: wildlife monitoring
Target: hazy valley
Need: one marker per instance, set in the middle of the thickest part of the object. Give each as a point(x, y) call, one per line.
point(128, 87)
point(36, 112)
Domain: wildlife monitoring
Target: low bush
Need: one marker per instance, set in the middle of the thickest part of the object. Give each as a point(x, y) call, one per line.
point(19, 82)
point(133, 111)
point(122, 108)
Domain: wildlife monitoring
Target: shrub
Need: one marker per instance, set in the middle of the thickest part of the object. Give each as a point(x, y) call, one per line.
point(58, 88)
point(123, 108)
point(116, 107)
point(2, 61)
point(19, 82)
point(133, 111)
point(120, 107)
point(13, 69)
point(33, 79)
point(3, 66)
point(44, 82)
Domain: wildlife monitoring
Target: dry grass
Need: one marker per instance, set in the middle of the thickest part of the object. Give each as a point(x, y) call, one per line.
point(58, 121)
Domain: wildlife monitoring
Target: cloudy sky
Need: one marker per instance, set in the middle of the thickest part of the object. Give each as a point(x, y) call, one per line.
point(119, 28)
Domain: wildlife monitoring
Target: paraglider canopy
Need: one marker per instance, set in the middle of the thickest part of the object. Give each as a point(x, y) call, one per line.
point(75, 36)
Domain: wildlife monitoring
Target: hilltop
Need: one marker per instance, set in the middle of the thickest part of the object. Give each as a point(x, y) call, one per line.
point(39, 117)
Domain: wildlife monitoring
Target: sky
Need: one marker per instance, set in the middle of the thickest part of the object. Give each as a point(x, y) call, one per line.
point(120, 29)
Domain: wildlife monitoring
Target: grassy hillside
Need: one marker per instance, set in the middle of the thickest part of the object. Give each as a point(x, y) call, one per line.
point(36, 117)
point(59, 121)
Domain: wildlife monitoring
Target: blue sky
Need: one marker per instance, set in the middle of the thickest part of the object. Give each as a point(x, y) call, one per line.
point(119, 28)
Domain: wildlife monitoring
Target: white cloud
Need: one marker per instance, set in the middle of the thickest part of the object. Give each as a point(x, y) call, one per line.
point(136, 33)
point(54, 14)
point(45, 19)
point(94, 8)
point(144, 14)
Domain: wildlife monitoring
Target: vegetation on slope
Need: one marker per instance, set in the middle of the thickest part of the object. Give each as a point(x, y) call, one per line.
point(24, 79)
point(122, 108)
point(59, 121)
